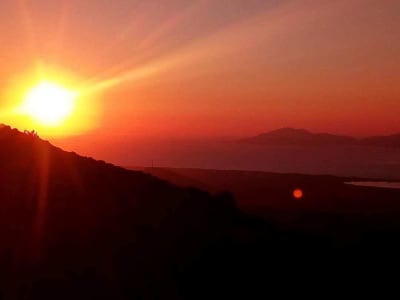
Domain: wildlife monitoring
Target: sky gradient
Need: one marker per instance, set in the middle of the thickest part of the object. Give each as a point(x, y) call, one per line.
point(208, 68)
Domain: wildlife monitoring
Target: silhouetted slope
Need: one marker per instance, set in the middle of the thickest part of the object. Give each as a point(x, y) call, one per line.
point(76, 228)
point(291, 136)
point(183, 179)
point(72, 225)
point(256, 191)
point(382, 141)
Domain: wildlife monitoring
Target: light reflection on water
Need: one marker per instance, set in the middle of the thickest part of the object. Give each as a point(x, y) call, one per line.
point(379, 184)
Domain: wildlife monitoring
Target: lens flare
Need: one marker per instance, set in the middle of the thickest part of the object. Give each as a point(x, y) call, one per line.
point(298, 194)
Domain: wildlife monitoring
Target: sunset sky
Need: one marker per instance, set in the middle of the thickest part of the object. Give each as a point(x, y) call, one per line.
point(206, 68)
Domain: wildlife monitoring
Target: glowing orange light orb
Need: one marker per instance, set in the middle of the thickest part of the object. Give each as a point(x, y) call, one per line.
point(298, 194)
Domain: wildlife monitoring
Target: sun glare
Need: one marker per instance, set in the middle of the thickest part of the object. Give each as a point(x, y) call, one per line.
point(49, 104)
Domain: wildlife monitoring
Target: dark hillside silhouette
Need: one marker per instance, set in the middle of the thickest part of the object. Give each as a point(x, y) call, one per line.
point(72, 227)
point(76, 228)
point(383, 141)
point(322, 193)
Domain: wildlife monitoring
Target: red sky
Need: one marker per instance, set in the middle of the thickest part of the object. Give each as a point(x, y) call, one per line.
point(210, 68)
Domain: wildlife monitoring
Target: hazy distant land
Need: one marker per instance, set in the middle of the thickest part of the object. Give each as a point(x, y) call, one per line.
point(302, 137)
point(288, 151)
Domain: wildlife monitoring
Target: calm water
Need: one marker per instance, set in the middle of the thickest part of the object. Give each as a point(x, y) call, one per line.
point(379, 184)
point(367, 162)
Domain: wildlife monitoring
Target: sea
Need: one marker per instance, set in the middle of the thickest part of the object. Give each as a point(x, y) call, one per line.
point(358, 161)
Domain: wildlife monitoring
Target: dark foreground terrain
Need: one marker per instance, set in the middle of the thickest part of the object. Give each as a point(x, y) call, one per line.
point(75, 228)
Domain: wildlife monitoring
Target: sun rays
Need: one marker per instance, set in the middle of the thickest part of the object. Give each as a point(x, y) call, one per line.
point(153, 56)
point(148, 56)
point(272, 54)
point(231, 39)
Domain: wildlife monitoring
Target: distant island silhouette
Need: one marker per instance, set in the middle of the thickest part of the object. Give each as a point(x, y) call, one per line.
point(302, 137)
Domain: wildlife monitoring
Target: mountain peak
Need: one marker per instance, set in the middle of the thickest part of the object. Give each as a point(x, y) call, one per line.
point(288, 136)
point(294, 136)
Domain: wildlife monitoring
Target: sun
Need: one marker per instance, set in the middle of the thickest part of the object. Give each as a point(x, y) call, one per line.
point(49, 104)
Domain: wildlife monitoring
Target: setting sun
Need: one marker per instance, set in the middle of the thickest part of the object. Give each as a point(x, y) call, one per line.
point(49, 104)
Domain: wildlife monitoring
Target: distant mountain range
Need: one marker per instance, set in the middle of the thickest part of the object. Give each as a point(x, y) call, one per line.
point(302, 137)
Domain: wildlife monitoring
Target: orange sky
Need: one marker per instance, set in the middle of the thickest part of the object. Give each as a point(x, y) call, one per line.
point(210, 68)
